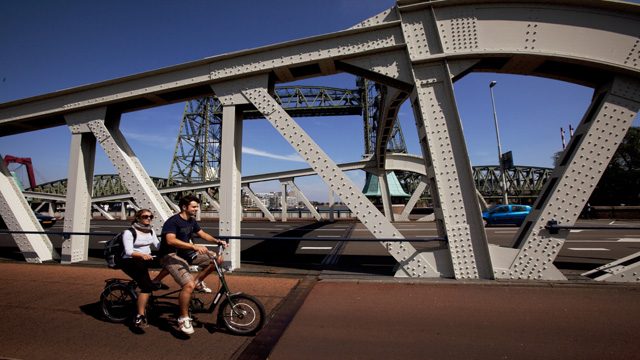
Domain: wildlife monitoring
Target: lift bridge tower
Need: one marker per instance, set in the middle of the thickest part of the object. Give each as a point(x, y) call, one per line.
point(196, 157)
point(401, 183)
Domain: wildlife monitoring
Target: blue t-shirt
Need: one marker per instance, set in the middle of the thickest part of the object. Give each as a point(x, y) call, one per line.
point(183, 229)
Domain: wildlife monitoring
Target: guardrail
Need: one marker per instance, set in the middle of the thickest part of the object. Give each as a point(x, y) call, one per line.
point(554, 227)
point(66, 235)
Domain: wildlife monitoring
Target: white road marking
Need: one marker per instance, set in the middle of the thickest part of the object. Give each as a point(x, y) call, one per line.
point(589, 249)
point(425, 230)
point(592, 241)
point(628, 240)
point(316, 248)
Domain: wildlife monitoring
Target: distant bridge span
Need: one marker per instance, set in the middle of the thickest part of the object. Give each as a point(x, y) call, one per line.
point(523, 182)
point(417, 49)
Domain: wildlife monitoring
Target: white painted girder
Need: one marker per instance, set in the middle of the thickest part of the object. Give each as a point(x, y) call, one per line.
point(18, 216)
point(144, 193)
point(395, 48)
point(626, 269)
point(411, 263)
point(417, 193)
point(444, 150)
point(306, 201)
point(79, 189)
point(258, 202)
point(230, 176)
point(87, 127)
point(527, 33)
point(570, 185)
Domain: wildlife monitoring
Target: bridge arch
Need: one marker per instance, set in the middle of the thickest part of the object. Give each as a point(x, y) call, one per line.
point(417, 49)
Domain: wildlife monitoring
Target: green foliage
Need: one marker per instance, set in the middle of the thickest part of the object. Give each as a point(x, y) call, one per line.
point(620, 183)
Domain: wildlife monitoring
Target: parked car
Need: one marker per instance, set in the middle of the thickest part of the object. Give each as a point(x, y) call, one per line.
point(44, 220)
point(505, 214)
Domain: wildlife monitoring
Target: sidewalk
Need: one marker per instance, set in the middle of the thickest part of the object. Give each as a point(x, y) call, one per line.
point(51, 311)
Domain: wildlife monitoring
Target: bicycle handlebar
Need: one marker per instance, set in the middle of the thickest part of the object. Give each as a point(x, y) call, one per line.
point(213, 254)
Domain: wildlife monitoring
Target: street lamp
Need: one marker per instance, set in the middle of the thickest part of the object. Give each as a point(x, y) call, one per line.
point(505, 200)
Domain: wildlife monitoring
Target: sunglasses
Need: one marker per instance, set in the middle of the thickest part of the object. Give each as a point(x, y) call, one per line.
point(146, 217)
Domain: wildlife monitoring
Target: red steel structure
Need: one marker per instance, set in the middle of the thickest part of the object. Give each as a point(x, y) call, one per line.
point(8, 159)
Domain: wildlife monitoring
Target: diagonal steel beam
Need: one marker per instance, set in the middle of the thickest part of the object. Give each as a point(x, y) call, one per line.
point(411, 262)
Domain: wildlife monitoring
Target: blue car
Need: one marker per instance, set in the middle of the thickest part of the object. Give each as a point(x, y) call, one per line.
point(505, 214)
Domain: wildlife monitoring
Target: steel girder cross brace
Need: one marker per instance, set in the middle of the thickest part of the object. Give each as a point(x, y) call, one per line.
point(447, 163)
point(411, 262)
point(17, 215)
point(596, 139)
point(87, 127)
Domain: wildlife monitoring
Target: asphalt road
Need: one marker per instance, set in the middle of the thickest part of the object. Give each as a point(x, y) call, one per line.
point(583, 249)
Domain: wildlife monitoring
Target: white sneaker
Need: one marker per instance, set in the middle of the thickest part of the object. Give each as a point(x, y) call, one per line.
point(201, 287)
point(186, 325)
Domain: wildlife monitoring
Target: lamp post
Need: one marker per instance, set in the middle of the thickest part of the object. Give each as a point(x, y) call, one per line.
point(505, 200)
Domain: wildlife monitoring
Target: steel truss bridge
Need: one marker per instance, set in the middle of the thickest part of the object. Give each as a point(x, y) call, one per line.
point(524, 183)
point(415, 50)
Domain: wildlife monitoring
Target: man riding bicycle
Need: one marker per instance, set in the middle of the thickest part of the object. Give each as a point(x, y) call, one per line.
point(178, 253)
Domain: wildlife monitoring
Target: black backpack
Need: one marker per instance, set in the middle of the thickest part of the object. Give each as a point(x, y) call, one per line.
point(114, 249)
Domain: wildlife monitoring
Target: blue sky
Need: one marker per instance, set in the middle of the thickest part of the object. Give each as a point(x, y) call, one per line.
point(49, 46)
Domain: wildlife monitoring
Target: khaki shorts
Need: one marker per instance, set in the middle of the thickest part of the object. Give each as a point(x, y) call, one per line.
point(179, 267)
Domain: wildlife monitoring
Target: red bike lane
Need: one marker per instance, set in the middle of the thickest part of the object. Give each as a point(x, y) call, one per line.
point(52, 311)
point(442, 320)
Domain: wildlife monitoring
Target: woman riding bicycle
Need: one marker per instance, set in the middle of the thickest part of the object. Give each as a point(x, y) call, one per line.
point(137, 260)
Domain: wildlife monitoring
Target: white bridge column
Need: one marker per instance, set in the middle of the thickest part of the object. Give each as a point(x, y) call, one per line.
point(283, 202)
point(77, 215)
point(230, 181)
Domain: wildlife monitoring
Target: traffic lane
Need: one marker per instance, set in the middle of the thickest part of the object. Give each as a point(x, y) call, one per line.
point(294, 245)
point(583, 250)
point(271, 250)
point(390, 321)
point(595, 247)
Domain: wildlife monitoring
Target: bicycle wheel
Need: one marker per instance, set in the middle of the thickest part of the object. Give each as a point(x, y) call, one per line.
point(118, 302)
point(241, 314)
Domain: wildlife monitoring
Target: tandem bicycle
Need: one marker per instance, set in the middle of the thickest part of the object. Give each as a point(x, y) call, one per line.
point(240, 313)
